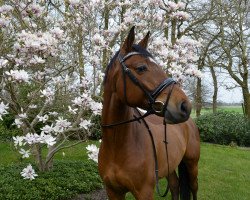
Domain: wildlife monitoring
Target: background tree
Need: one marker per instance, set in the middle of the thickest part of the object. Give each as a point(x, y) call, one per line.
point(52, 59)
point(233, 22)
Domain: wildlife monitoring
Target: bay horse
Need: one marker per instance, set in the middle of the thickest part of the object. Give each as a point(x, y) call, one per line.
point(126, 159)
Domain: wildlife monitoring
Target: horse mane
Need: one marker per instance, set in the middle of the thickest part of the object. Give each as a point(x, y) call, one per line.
point(136, 48)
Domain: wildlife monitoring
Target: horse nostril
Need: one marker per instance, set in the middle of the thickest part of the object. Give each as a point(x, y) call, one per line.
point(184, 108)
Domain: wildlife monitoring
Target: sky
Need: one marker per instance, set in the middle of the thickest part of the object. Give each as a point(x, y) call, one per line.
point(232, 96)
point(224, 95)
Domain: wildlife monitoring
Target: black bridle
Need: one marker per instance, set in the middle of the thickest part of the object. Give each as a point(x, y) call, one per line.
point(151, 101)
point(150, 95)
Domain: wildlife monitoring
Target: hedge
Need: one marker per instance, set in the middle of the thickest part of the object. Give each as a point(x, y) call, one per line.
point(224, 128)
point(66, 180)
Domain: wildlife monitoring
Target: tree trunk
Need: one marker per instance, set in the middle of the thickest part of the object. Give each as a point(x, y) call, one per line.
point(198, 98)
point(246, 98)
point(38, 157)
point(173, 31)
point(80, 53)
point(106, 27)
point(215, 84)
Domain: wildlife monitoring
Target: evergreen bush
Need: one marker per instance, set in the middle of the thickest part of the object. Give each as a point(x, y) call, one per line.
point(224, 128)
point(66, 180)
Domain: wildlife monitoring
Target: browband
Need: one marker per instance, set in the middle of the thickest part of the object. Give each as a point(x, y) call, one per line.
point(128, 55)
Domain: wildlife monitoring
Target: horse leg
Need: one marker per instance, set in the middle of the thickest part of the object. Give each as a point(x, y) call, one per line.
point(173, 182)
point(146, 193)
point(114, 195)
point(193, 180)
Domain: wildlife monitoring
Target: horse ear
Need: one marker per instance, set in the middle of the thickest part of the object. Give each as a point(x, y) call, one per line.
point(144, 42)
point(127, 44)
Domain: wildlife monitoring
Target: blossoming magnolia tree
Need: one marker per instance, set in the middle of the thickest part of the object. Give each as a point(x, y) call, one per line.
point(53, 55)
point(39, 85)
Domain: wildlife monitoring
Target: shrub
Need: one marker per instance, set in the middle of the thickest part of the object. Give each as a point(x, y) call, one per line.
point(95, 129)
point(7, 134)
point(224, 128)
point(7, 129)
point(65, 181)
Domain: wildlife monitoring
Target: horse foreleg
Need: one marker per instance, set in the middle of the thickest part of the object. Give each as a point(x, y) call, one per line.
point(193, 180)
point(114, 195)
point(145, 193)
point(173, 182)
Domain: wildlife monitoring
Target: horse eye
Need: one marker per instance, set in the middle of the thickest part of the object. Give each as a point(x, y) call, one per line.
point(141, 69)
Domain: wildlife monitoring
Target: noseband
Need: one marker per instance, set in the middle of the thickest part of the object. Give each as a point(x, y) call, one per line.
point(150, 95)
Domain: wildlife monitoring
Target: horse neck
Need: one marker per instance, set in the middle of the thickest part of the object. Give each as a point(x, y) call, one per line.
point(114, 110)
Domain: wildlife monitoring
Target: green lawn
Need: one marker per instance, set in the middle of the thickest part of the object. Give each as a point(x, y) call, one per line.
point(224, 172)
point(237, 109)
point(9, 155)
point(231, 109)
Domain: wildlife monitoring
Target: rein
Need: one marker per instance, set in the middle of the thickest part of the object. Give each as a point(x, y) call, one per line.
point(151, 98)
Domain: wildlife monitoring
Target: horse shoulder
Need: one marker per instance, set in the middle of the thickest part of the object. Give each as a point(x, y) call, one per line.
point(193, 141)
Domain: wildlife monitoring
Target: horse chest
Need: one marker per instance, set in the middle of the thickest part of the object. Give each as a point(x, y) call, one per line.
point(122, 170)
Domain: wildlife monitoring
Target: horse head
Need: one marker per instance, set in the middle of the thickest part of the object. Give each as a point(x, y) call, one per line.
point(139, 82)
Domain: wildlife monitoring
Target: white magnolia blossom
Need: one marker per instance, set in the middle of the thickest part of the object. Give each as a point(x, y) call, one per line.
point(3, 109)
point(38, 75)
point(180, 15)
point(28, 173)
point(47, 129)
point(22, 115)
point(3, 63)
point(36, 60)
point(85, 124)
point(47, 139)
point(4, 22)
point(33, 8)
point(48, 93)
point(18, 76)
point(19, 141)
point(96, 107)
point(45, 43)
point(78, 101)
point(32, 138)
point(172, 6)
point(83, 100)
point(61, 125)
point(18, 122)
point(53, 113)
point(43, 118)
point(24, 153)
point(74, 2)
point(93, 151)
point(57, 32)
point(72, 110)
point(32, 106)
point(5, 9)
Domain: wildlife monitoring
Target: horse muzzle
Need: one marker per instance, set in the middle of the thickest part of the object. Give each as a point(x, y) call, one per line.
point(173, 114)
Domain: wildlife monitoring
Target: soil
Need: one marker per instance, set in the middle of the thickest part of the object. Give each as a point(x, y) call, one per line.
point(95, 195)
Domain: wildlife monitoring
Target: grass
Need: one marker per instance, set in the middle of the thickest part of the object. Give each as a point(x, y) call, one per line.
point(9, 155)
point(223, 174)
point(237, 109)
point(223, 171)
point(231, 109)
